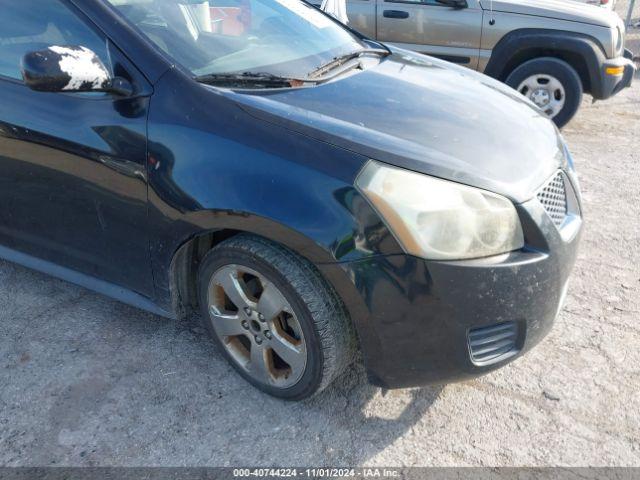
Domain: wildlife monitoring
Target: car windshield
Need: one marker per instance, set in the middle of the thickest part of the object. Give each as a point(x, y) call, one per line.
point(286, 38)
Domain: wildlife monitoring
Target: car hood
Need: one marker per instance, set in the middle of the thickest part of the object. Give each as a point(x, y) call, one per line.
point(425, 115)
point(559, 9)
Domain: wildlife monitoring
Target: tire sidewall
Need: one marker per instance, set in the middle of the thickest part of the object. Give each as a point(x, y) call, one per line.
point(560, 70)
point(312, 376)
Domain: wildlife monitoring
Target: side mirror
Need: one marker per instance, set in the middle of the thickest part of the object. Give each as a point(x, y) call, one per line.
point(70, 69)
point(457, 4)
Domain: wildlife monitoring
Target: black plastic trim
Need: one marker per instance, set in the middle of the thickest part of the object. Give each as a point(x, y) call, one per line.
point(517, 46)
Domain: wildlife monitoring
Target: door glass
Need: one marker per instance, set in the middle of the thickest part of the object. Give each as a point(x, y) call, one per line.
point(31, 25)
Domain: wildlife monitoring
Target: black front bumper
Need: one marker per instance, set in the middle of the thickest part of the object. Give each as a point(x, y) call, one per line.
point(609, 83)
point(417, 315)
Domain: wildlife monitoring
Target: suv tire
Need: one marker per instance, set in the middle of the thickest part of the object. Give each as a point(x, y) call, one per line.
point(552, 84)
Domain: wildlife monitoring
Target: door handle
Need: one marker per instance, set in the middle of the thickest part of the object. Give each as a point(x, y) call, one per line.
point(395, 14)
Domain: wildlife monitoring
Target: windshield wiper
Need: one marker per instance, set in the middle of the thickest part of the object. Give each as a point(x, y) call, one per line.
point(342, 59)
point(251, 79)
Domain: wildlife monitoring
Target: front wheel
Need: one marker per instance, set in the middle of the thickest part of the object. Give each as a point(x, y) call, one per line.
point(552, 84)
point(276, 320)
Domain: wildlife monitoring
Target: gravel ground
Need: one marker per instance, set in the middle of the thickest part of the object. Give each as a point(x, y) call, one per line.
point(89, 381)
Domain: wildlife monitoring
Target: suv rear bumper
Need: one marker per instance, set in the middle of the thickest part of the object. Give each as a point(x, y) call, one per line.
point(615, 75)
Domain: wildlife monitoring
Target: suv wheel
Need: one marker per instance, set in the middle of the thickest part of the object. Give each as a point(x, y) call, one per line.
point(552, 84)
point(276, 320)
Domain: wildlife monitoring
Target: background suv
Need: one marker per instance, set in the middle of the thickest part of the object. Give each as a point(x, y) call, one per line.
point(551, 51)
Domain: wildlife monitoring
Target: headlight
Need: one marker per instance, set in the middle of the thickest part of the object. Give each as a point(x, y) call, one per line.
point(437, 219)
point(620, 40)
point(617, 35)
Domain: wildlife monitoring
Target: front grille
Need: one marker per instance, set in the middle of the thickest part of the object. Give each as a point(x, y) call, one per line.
point(554, 199)
point(494, 343)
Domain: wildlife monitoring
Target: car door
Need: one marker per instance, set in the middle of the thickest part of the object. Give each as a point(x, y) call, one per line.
point(73, 185)
point(429, 27)
point(361, 14)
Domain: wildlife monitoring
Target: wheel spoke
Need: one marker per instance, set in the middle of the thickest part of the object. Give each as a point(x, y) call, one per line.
point(271, 302)
point(258, 364)
point(293, 355)
point(228, 280)
point(225, 325)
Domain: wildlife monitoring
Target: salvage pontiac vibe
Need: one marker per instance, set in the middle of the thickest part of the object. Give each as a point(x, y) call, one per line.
point(309, 191)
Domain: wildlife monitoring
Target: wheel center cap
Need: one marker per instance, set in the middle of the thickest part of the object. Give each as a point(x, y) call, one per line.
point(541, 97)
point(255, 326)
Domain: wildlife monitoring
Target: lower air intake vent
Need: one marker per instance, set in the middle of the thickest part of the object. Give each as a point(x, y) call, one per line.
point(494, 343)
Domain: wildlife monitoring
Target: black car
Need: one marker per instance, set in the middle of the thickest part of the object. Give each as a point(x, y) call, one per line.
point(310, 192)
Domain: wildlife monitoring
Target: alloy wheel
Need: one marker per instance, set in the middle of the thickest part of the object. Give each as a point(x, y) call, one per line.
point(257, 325)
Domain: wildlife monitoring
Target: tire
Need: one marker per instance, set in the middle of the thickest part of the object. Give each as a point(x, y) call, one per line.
point(549, 69)
point(312, 326)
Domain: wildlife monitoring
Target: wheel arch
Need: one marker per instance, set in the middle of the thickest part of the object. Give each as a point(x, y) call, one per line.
point(582, 52)
point(182, 297)
point(182, 271)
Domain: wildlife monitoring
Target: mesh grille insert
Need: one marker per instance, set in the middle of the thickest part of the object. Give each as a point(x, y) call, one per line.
point(554, 199)
point(493, 343)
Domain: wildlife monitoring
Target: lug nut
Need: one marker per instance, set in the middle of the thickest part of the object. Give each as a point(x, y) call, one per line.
point(267, 334)
point(247, 310)
point(261, 317)
point(257, 339)
point(245, 325)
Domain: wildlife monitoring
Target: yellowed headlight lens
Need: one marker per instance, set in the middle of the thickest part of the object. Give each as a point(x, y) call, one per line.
point(439, 219)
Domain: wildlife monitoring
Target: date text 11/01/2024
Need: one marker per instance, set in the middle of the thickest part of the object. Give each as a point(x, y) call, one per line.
point(317, 472)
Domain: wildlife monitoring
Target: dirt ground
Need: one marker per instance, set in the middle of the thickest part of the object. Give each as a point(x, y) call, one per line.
point(88, 381)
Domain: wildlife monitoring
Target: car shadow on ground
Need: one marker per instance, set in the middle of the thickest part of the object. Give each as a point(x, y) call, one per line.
point(91, 381)
point(347, 424)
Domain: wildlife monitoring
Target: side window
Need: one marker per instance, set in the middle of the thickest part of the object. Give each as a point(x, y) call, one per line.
point(30, 25)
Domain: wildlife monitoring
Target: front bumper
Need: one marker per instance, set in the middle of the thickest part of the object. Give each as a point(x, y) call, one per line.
point(615, 75)
point(417, 315)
